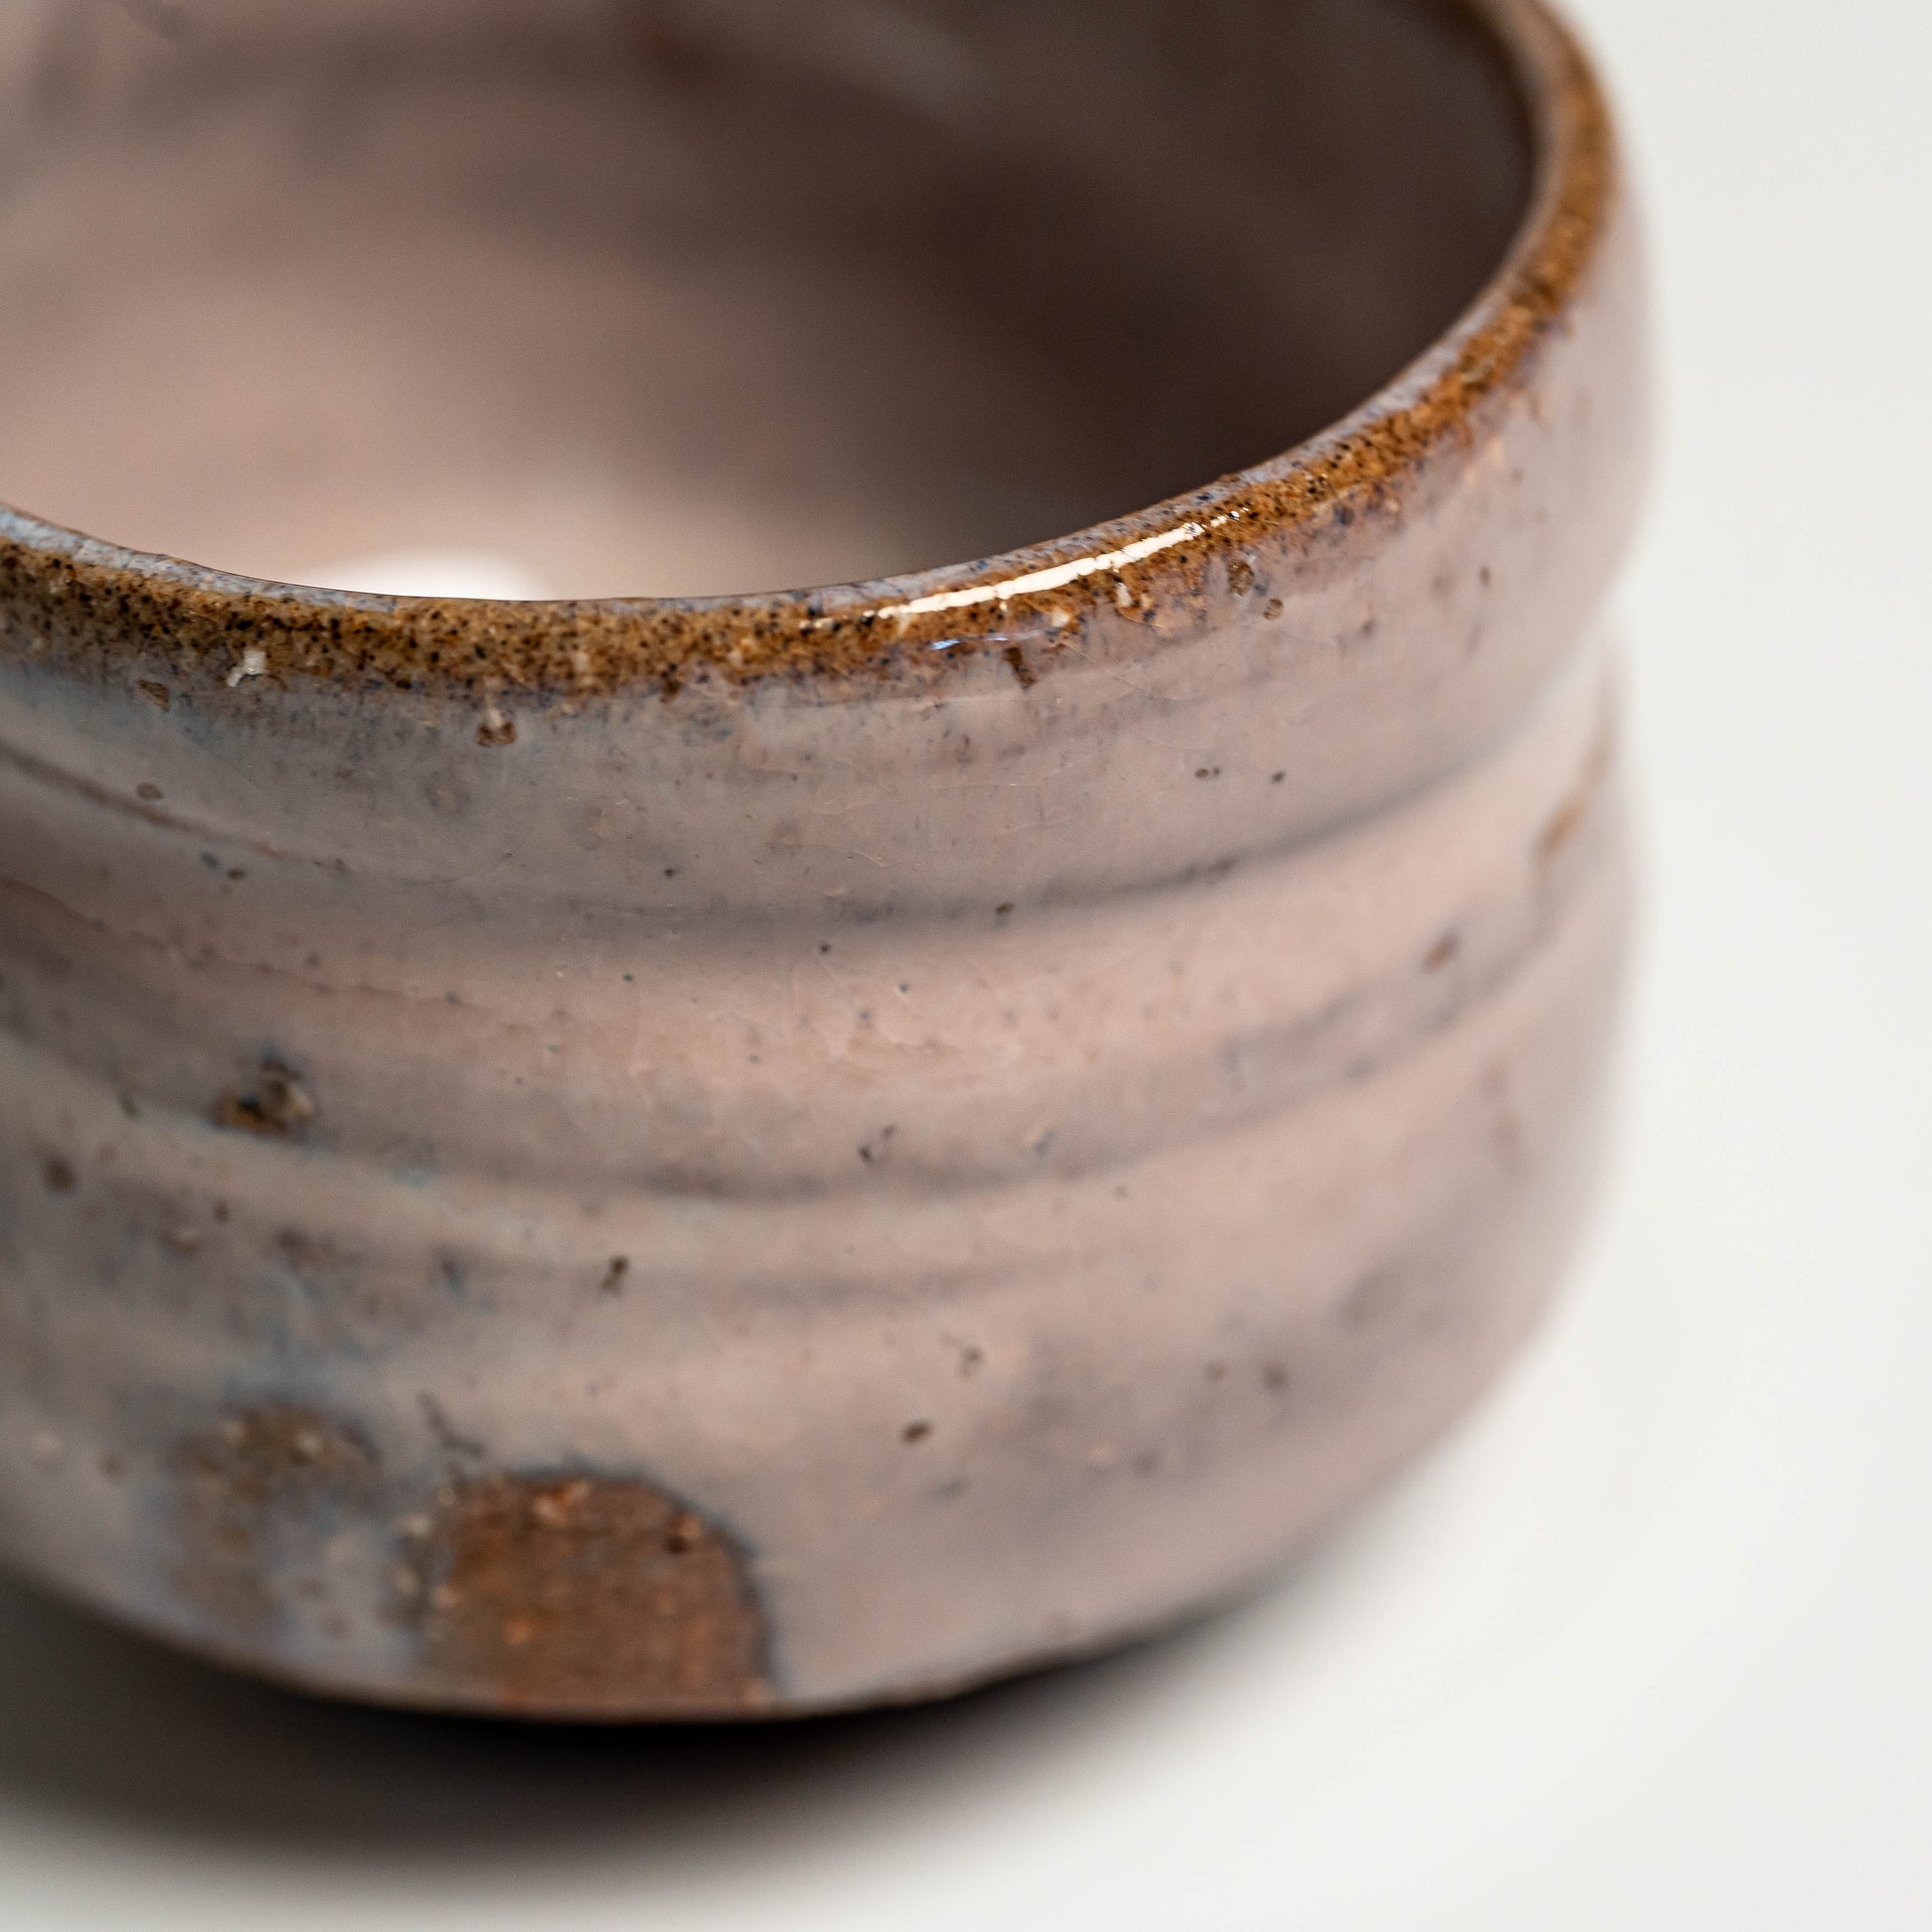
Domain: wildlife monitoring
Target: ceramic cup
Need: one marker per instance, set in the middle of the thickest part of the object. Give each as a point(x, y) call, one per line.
point(701, 1154)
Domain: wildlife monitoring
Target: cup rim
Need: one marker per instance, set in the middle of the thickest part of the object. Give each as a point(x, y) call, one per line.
point(87, 592)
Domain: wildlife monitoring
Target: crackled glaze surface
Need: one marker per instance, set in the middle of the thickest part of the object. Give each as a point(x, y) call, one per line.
point(765, 1152)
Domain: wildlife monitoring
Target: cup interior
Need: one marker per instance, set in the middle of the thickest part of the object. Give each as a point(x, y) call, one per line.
point(679, 297)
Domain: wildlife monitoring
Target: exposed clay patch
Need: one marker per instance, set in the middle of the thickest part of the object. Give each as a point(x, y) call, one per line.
point(279, 1108)
point(583, 1596)
point(264, 1473)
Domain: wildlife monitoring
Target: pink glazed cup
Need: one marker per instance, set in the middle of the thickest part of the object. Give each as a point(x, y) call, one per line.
point(701, 1156)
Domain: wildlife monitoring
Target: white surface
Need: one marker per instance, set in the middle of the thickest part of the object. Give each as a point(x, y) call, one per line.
point(1650, 1645)
point(430, 573)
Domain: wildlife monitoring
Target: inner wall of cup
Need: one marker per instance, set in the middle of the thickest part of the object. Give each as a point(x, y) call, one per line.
point(668, 297)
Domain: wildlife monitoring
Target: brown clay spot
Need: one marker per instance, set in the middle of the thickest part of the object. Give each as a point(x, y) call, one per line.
point(583, 1596)
point(1441, 953)
point(279, 1108)
point(496, 729)
point(60, 1175)
point(263, 1473)
point(1561, 829)
point(156, 695)
point(1017, 663)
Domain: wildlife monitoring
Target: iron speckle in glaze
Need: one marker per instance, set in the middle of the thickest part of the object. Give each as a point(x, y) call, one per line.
point(277, 1106)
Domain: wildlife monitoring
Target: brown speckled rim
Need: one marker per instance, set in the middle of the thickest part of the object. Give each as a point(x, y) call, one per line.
point(83, 597)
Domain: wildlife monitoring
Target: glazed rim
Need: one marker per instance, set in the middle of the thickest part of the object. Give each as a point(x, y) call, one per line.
point(96, 597)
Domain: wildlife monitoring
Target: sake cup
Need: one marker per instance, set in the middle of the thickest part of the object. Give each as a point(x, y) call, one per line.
point(676, 1151)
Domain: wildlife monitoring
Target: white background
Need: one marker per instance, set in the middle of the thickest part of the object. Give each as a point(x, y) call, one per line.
point(1650, 1644)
